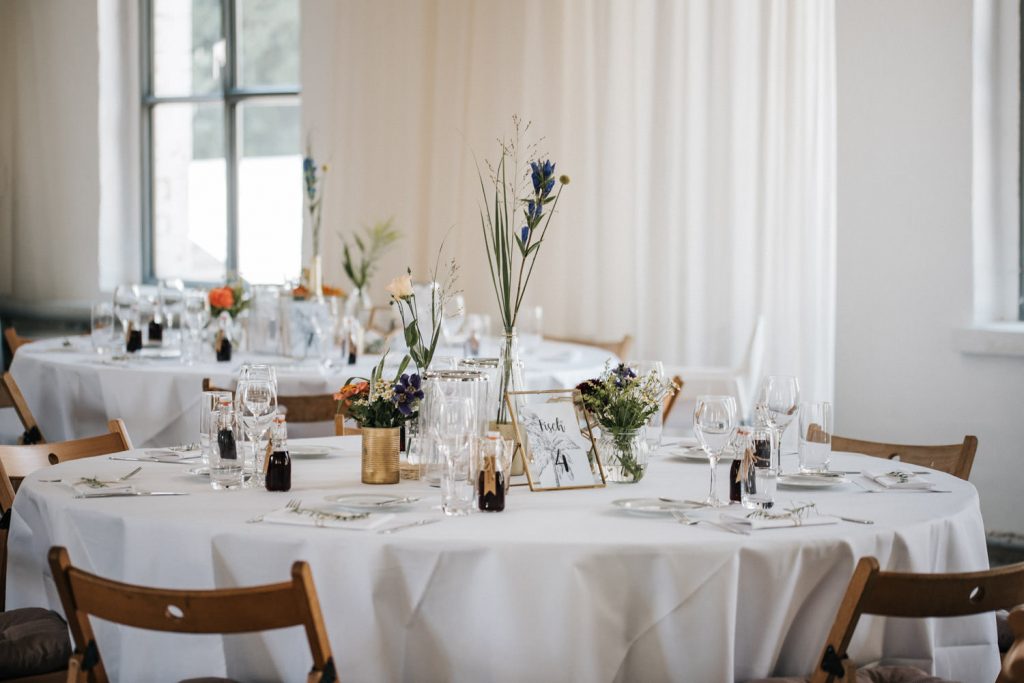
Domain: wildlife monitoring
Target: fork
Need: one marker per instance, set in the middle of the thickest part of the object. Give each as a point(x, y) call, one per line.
point(130, 474)
point(690, 521)
point(867, 489)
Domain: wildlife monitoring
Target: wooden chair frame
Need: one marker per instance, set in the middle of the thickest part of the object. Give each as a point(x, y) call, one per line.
point(956, 459)
point(14, 341)
point(32, 435)
point(1013, 662)
point(619, 348)
point(226, 611)
point(670, 400)
point(301, 409)
point(895, 594)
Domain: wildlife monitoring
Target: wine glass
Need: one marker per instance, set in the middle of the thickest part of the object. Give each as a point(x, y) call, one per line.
point(103, 330)
point(655, 425)
point(171, 293)
point(256, 402)
point(453, 320)
point(777, 404)
point(714, 423)
point(258, 371)
point(126, 299)
point(196, 315)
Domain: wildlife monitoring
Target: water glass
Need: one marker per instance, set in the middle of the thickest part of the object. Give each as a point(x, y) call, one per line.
point(777, 403)
point(530, 324)
point(208, 403)
point(105, 336)
point(714, 423)
point(758, 488)
point(256, 403)
point(655, 424)
point(815, 436)
point(225, 473)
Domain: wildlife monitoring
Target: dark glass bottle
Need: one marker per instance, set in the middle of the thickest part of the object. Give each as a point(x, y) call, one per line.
point(279, 463)
point(226, 432)
point(156, 333)
point(134, 342)
point(490, 484)
point(735, 487)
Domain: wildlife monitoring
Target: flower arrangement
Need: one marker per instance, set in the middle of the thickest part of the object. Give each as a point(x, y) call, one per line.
point(231, 298)
point(381, 403)
point(622, 402)
point(371, 245)
point(313, 180)
point(422, 343)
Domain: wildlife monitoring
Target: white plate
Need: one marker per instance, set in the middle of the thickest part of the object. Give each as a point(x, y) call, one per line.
point(364, 502)
point(307, 451)
point(204, 471)
point(651, 506)
point(696, 454)
point(810, 481)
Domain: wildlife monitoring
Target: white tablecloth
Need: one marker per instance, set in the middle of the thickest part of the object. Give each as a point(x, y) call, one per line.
point(560, 587)
point(74, 393)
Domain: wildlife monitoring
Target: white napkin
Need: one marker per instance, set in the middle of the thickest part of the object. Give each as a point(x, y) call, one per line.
point(887, 480)
point(361, 523)
point(84, 490)
point(757, 523)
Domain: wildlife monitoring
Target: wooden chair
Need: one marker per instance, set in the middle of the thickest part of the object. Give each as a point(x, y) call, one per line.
point(670, 400)
point(619, 348)
point(1013, 662)
point(32, 434)
point(14, 341)
point(382, 321)
point(342, 429)
point(227, 611)
point(956, 459)
point(893, 594)
point(316, 408)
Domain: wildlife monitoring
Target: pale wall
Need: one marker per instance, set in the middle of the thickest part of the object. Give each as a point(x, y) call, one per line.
point(905, 246)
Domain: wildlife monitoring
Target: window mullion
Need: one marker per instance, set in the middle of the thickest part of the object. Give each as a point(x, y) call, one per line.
point(231, 135)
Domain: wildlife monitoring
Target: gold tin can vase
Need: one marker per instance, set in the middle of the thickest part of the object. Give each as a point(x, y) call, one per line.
point(380, 455)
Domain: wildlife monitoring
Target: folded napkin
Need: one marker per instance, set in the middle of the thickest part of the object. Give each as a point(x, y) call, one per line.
point(780, 522)
point(94, 488)
point(334, 519)
point(899, 479)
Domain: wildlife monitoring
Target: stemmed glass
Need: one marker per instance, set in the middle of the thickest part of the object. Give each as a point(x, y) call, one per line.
point(256, 402)
point(714, 423)
point(171, 292)
point(453, 320)
point(258, 371)
point(655, 425)
point(196, 316)
point(777, 404)
point(452, 427)
point(126, 300)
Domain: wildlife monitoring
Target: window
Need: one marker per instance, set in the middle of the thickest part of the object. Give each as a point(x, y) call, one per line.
point(222, 157)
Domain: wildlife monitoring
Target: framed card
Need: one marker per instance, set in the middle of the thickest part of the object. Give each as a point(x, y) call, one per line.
point(556, 438)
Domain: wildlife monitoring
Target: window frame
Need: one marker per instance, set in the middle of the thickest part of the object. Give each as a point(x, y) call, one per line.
point(230, 95)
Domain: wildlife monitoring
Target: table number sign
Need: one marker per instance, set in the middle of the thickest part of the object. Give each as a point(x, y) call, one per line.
point(556, 437)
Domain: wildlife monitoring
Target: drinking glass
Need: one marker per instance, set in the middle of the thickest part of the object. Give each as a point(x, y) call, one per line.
point(453, 320)
point(126, 300)
point(225, 473)
point(105, 338)
point(196, 316)
point(453, 426)
point(758, 488)
point(655, 424)
point(258, 371)
point(478, 327)
point(815, 436)
point(530, 324)
point(256, 403)
point(170, 294)
point(209, 401)
point(714, 422)
point(777, 404)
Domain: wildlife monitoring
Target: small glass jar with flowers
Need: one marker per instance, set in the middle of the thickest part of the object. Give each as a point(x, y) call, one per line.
point(381, 406)
point(622, 402)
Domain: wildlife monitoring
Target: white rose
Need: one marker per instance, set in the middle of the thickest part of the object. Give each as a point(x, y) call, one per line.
point(400, 287)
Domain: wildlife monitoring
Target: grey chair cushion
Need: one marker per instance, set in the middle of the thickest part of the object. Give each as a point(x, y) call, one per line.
point(32, 641)
point(878, 674)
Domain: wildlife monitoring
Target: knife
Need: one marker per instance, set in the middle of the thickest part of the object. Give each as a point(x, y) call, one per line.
point(177, 461)
point(125, 494)
point(421, 522)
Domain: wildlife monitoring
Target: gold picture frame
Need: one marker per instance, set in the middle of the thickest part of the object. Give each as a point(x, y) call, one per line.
point(535, 479)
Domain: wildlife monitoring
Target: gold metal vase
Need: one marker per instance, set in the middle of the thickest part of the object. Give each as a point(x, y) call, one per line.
point(380, 455)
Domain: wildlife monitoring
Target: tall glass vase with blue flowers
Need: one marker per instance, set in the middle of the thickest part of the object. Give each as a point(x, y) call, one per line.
point(513, 246)
point(313, 177)
point(380, 407)
point(621, 402)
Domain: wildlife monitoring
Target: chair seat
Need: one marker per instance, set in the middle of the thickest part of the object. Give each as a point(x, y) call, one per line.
point(878, 674)
point(33, 641)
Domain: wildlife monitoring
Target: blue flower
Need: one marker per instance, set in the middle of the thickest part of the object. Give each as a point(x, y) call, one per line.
point(407, 394)
point(534, 211)
point(526, 234)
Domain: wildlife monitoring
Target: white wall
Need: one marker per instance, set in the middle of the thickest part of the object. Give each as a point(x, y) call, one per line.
point(905, 281)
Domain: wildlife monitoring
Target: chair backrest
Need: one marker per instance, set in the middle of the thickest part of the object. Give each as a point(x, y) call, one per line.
point(231, 610)
point(17, 462)
point(1013, 662)
point(13, 340)
point(893, 594)
point(314, 408)
point(342, 429)
point(382, 321)
point(32, 433)
point(620, 348)
point(956, 459)
point(670, 400)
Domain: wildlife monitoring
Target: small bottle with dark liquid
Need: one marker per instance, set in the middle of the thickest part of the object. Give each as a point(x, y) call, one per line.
point(490, 485)
point(226, 432)
point(222, 343)
point(741, 441)
point(156, 333)
point(134, 341)
point(279, 463)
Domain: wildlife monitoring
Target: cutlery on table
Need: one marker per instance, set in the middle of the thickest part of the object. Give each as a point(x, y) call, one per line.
point(129, 494)
point(130, 474)
point(868, 489)
point(690, 521)
point(697, 503)
point(178, 461)
point(410, 525)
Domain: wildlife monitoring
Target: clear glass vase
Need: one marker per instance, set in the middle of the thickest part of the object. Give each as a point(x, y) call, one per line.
point(510, 374)
point(359, 305)
point(624, 454)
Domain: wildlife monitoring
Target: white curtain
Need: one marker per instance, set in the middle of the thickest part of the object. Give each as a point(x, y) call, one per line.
point(699, 135)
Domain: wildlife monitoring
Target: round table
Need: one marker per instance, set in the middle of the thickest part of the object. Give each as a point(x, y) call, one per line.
point(562, 586)
point(74, 393)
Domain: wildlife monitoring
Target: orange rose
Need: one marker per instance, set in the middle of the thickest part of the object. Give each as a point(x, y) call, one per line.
point(350, 390)
point(222, 297)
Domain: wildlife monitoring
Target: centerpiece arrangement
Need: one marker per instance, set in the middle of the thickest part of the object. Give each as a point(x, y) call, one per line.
point(381, 407)
point(313, 179)
point(513, 245)
point(360, 261)
point(231, 298)
point(622, 402)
